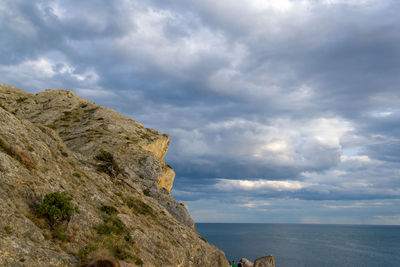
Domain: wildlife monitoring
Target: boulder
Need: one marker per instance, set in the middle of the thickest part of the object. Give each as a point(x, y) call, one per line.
point(246, 263)
point(266, 261)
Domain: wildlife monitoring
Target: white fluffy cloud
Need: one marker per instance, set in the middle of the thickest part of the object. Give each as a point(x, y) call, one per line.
point(45, 72)
point(233, 185)
point(280, 141)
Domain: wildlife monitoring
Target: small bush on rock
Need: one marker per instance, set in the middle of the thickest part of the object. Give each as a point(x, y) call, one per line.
point(60, 234)
point(121, 253)
point(109, 210)
point(146, 192)
point(139, 262)
point(21, 99)
point(113, 236)
point(57, 208)
point(108, 164)
point(139, 207)
point(111, 225)
point(86, 250)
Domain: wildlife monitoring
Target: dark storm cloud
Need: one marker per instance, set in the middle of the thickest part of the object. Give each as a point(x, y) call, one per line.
point(285, 91)
point(347, 54)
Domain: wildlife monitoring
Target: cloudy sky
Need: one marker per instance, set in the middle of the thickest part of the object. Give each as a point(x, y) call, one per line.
point(280, 111)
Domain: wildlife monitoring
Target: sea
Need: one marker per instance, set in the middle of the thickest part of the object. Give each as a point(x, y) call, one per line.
point(307, 245)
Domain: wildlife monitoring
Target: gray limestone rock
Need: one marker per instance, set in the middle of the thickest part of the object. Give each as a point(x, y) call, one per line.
point(246, 263)
point(266, 261)
point(53, 141)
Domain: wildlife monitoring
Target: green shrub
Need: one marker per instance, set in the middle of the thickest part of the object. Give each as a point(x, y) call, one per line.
point(3, 107)
point(113, 236)
point(139, 262)
point(202, 238)
point(111, 225)
point(109, 210)
point(145, 136)
point(139, 207)
point(121, 253)
point(59, 233)
point(21, 99)
point(91, 110)
point(57, 207)
point(8, 229)
point(84, 252)
point(108, 165)
point(128, 238)
point(146, 192)
point(104, 156)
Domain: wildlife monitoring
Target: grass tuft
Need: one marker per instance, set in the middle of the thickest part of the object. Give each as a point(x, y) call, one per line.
point(108, 164)
point(16, 154)
point(109, 210)
point(146, 192)
point(59, 233)
point(139, 207)
point(111, 225)
point(21, 99)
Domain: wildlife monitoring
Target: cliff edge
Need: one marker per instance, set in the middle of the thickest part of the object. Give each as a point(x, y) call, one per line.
point(113, 169)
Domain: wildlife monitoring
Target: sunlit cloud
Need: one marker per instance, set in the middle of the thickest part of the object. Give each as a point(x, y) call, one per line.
point(355, 158)
point(255, 204)
point(231, 185)
point(45, 68)
point(382, 114)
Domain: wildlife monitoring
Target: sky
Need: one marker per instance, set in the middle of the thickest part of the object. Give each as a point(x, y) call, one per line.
point(280, 111)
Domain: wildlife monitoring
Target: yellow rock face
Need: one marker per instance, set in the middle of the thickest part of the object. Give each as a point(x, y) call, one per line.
point(159, 147)
point(166, 179)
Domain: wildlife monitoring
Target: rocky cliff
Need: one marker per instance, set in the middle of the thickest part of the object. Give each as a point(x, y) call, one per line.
point(113, 169)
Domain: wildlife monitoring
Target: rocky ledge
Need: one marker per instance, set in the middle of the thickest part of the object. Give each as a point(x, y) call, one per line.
point(266, 261)
point(113, 172)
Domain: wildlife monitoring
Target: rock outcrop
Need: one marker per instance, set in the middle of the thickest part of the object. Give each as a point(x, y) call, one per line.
point(246, 263)
point(266, 261)
point(113, 168)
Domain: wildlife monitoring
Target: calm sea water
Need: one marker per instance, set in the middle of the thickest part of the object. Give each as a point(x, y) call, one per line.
point(298, 245)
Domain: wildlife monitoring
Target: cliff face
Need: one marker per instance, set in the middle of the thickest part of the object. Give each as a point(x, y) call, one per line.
point(114, 169)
